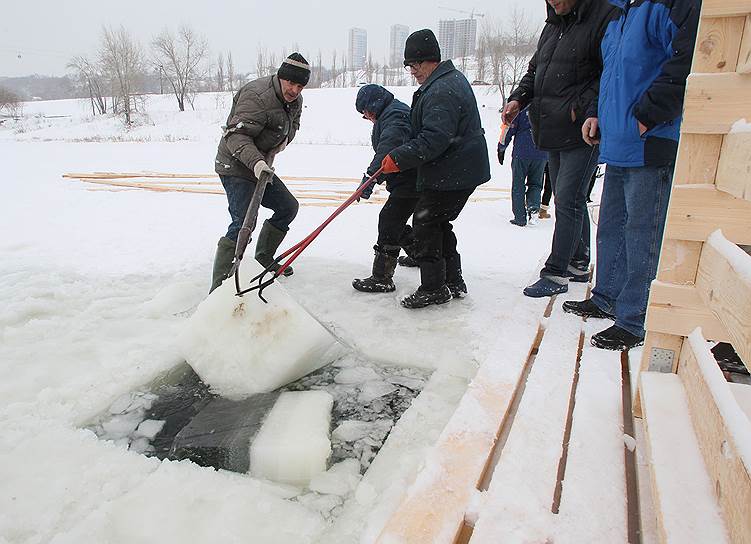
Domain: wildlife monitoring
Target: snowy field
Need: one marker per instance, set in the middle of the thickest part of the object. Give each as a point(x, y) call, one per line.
point(94, 284)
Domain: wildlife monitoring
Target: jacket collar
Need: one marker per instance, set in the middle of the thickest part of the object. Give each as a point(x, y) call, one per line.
point(579, 12)
point(441, 70)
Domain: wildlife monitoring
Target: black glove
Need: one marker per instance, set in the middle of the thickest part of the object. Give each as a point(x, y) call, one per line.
point(501, 153)
point(368, 190)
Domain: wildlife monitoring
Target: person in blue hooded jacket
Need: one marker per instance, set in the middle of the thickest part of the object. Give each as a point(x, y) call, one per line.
point(527, 168)
point(391, 128)
point(647, 54)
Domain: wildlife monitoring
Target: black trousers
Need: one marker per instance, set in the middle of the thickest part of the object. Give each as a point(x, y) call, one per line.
point(435, 241)
point(547, 190)
point(393, 231)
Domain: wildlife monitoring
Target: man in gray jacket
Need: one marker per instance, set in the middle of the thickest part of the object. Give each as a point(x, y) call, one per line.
point(264, 118)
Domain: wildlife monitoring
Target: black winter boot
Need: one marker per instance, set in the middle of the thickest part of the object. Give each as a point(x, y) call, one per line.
point(454, 278)
point(381, 280)
point(433, 289)
point(406, 260)
point(225, 253)
point(269, 240)
point(586, 308)
point(616, 339)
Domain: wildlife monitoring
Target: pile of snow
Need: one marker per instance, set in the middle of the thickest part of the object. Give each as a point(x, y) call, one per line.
point(293, 444)
point(241, 346)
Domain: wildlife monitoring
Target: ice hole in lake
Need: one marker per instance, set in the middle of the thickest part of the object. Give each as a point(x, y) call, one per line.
point(178, 417)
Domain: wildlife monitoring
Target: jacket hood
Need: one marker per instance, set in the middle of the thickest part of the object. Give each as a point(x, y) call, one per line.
point(373, 98)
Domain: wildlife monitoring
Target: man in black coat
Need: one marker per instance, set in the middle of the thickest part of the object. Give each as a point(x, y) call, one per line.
point(450, 155)
point(391, 128)
point(561, 88)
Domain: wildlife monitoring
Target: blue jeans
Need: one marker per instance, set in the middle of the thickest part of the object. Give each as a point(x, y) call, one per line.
point(633, 209)
point(526, 186)
point(570, 172)
point(276, 197)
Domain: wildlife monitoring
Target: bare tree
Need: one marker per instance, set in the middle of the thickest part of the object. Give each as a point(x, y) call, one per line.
point(230, 72)
point(181, 57)
point(333, 66)
point(10, 103)
point(220, 72)
point(480, 55)
point(122, 61)
point(508, 50)
point(90, 75)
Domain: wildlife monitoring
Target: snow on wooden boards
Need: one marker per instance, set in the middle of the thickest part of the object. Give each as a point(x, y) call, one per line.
point(518, 506)
point(434, 509)
point(682, 491)
point(724, 435)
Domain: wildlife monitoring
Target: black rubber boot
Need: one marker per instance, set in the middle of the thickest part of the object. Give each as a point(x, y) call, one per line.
point(454, 279)
point(616, 339)
point(586, 308)
point(269, 240)
point(406, 260)
point(381, 281)
point(225, 253)
point(433, 289)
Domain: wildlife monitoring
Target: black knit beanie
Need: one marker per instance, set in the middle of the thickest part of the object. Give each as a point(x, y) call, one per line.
point(295, 69)
point(421, 45)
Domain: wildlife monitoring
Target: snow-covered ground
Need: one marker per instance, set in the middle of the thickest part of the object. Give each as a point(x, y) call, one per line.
point(94, 283)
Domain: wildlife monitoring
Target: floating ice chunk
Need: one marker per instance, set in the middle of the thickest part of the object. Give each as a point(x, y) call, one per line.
point(351, 431)
point(415, 384)
point(140, 445)
point(121, 426)
point(341, 479)
point(149, 428)
point(358, 374)
point(241, 346)
point(121, 404)
point(369, 391)
point(293, 443)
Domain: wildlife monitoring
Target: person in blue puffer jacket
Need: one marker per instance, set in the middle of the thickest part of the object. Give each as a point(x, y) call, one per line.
point(527, 167)
point(647, 54)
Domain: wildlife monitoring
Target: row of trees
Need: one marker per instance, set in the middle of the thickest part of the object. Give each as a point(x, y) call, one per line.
point(10, 103)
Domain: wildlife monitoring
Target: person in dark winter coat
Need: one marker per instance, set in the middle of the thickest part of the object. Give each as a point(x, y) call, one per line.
point(561, 87)
point(450, 156)
point(527, 168)
point(391, 128)
point(648, 52)
point(264, 118)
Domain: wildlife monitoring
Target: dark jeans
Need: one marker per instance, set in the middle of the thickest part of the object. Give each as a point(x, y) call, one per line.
point(526, 186)
point(276, 197)
point(570, 173)
point(435, 241)
point(633, 209)
point(547, 190)
point(393, 231)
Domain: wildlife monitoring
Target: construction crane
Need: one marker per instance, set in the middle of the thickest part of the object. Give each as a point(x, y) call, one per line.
point(471, 14)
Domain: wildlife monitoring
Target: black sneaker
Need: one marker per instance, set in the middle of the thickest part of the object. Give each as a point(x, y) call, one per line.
point(517, 223)
point(581, 277)
point(586, 308)
point(406, 260)
point(374, 285)
point(616, 339)
point(457, 287)
point(421, 298)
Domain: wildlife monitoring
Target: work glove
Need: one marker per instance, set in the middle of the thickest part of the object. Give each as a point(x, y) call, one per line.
point(389, 165)
point(260, 167)
point(501, 153)
point(368, 190)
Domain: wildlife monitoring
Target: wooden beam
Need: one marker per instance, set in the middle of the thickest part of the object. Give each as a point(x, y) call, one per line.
point(679, 309)
point(679, 260)
point(696, 211)
point(714, 102)
point(734, 168)
point(725, 8)
point(697, 158)
point(718, 44)
point(656, 340)
point(724, 434)
point(726, 291)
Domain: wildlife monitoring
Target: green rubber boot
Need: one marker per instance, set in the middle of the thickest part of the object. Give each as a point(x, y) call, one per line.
point(225, 252)
point(269, 240)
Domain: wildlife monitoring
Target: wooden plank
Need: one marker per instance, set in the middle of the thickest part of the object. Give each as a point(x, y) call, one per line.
point(682, 490)
point(696, 211)
point(725, 288)
point(718, 44)
point(744, 57)
point(656, 340)
point(724, 435)
point(648, 515)
point(434, 508)
point(591, 511)
point(725, 8)
point(734, 168)
point(679, 309)
point(519, 499)
point(697, 158)
point(714, 102)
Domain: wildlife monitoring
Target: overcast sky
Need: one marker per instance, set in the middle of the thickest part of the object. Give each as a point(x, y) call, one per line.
point(41, 36)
